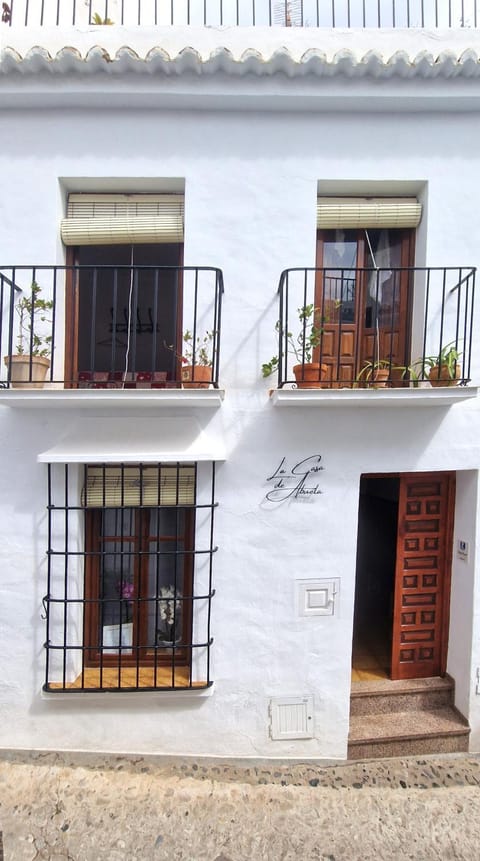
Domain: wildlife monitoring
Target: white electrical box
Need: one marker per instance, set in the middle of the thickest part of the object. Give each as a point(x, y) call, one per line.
point(317, 597)
point(291, 717)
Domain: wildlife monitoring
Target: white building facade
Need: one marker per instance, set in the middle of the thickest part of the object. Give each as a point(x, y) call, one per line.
point(188, 571)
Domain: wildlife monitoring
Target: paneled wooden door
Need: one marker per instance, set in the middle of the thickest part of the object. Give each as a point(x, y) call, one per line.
point(422, 575)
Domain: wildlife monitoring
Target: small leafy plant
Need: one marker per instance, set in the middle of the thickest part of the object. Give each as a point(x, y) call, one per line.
point(408, 373)
point(448, 357)
point(303, 344)
point(32, 310)
point(370, 368)
point(97, 19)
point(199, 349)
point(372, 373)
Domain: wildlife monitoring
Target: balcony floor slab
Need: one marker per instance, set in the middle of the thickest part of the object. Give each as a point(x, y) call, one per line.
point(376, 398)
point(111, 398)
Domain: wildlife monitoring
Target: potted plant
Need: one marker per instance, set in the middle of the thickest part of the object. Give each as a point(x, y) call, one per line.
point(444, 367)
point(29, 365)
point(376, 373)
point(196, 360)
point(308, 374)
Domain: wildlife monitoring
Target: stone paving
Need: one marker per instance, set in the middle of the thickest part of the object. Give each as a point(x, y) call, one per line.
point(88, 807)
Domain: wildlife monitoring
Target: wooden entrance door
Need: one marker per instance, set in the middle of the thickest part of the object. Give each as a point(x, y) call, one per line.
point(362, 290)
point(422, 575)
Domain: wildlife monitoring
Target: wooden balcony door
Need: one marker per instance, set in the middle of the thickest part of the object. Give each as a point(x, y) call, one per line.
point(422, 575)
point(121, 322)
point(363, 295)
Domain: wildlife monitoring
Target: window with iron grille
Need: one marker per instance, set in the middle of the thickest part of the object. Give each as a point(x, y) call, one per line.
point(130, 550)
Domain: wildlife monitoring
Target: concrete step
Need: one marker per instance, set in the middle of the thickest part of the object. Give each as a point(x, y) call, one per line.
point(398, 733)
point(384, 696)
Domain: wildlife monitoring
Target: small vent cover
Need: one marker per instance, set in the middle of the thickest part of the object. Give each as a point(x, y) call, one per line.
point(291, 717)
point(317, 597)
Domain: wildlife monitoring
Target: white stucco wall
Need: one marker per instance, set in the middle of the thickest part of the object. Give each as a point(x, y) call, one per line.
point(251, 182)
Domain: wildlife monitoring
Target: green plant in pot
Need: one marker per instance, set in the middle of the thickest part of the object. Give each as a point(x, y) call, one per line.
point(308, 374)
point(443, 368)
point(197, 360)
point(29, 365)
point(375, 373)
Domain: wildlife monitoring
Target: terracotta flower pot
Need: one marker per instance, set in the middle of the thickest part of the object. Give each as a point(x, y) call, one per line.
point(196, 377)
point(440, 375)
point(380, 378)
point(27, 372)
point(310, 375)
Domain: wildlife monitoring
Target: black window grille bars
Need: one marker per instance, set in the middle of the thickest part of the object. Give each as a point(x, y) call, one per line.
point(351, 324)
point(110, 326)
point(430, 14)
point(129, 577)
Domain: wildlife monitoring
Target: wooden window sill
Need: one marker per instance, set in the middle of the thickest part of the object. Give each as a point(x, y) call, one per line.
point(149, 678)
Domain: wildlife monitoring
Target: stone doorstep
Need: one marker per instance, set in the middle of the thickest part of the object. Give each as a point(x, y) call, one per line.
point(441, 730)
point(381, 687)
point(405, 717)
point(402, 726)
point(410, 747)
point(381, 697)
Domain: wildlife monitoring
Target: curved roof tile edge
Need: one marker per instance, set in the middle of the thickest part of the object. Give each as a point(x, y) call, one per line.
point(314, 61)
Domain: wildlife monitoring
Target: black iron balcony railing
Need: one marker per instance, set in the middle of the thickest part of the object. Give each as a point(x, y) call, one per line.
point(110, 326)
point(429, 14)
point(349, 328)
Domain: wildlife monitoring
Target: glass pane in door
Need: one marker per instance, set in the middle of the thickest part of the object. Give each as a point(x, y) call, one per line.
point(340, 256)
point(383, 255)
point(166, 579)
point(128, 309)
point(117, 585)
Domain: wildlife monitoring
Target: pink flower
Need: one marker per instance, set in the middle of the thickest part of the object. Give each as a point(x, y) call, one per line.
point(126, 590)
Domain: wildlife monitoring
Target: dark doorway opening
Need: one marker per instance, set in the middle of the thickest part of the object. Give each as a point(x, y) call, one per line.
point(375, 577)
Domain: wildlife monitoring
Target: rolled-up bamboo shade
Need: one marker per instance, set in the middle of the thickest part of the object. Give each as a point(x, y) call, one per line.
point(350, 212)
point(123, 219)
point(115, 486)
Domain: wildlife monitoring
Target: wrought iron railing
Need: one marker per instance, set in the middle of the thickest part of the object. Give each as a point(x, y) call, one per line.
point(236, 13)
point(110, 326)
point(400, 327)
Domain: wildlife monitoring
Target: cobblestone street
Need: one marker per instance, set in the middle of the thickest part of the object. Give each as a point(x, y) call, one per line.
point(87, 807)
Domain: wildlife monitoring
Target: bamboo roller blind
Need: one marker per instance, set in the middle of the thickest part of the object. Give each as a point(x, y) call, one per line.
point(114, 486)
point(351, 212)
point(123, 219)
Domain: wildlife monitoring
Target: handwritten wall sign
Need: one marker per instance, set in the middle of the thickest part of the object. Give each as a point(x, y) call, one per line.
point(299, 482)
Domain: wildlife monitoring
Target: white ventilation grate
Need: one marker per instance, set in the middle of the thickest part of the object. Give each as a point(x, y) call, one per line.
point(291, 717)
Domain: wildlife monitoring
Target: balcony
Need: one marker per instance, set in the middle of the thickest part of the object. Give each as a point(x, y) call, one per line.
point(104, 331)
point(427, 14)
point(373, 335)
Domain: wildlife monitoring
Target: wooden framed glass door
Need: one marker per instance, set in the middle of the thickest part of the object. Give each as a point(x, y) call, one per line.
point(123, 314)
point(362, 289)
